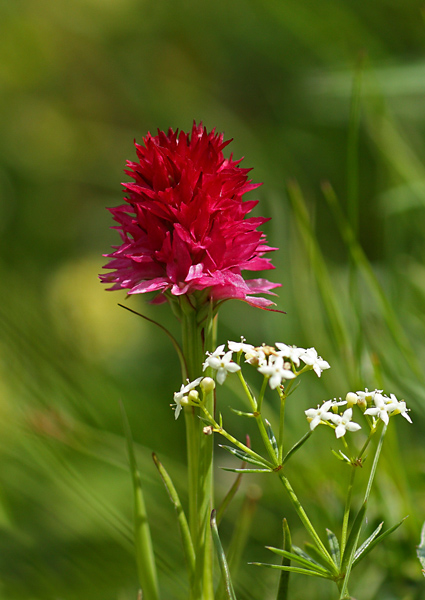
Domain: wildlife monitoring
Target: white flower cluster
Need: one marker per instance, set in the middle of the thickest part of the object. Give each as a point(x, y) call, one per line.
point(375, 403)
point(277, 364)
point(381, 406)
point(322, 415)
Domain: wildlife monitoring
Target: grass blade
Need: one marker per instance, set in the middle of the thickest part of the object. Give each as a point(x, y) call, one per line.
point(145, 558)
point(222, 559)
point(188, 549)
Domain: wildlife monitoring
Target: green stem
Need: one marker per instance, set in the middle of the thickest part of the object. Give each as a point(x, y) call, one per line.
point(347, 510)
point(195, 337)
point(234, 441)
point(306, 521)
point(262, 392)
point(281, 426)
point(247, 391)
point(266, 441)
point(344, 589)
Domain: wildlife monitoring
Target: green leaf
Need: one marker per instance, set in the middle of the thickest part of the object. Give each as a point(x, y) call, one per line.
point(165, 330)
point(246, 470)
point(359, 556)
point(316, 555)
point(245, 456)
point(293, 570)
point(353, 537)
point(305, 561)
point(361, 549)
point(145, 558)
point(334, 547)
point(240, 535)
point(271, 437)
point(421, 549)
point(282, 591)
point(222, 559)
point(188, 549)
point(296, 447)
point(240, 413)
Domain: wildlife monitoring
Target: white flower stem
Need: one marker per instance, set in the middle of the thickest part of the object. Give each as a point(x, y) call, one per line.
point(282, 397)
point(344, 588)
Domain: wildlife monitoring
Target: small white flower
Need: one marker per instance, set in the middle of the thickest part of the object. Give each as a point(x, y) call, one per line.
point(311, 358)
point(256, 357)
point(276, 371)
point(222, 364)
point(240, 346)
point(319, 414)
point(344, 423)
point(367, 397)
point(399, 408)
point(180, 397)
point(382, 408)
point(291, 352)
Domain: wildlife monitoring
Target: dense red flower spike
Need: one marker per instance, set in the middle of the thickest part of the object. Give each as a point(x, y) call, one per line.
point(184, 228)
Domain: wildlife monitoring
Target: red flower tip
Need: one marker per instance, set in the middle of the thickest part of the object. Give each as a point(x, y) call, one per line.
point(184, 225)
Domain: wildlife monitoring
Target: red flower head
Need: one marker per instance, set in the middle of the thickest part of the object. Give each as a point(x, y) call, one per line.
point(183, 228)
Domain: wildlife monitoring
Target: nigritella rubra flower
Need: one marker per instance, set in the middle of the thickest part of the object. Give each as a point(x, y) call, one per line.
point(184, 227)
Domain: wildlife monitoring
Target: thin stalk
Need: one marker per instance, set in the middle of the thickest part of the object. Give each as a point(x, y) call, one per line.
point(262, 392)
point(281, 426)
point(266, 441)
point(344, 588)
point(234, 441)
point(306, 522)
point(247, 391)
point(344, 532)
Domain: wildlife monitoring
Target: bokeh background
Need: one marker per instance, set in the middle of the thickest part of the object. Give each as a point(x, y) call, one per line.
point(312, 92)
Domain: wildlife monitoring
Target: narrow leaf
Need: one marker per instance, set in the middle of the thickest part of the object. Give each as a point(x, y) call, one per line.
point(374, 542)
point(272, 437)
point(145, 559)
point(246, 470)
point(240, 535)
point(420, 551)
point(334, 547)
point(367, 542)
point(282, 591)
point(302, 560)
point(188, 549)
point(296, 447)
point(293, 570)
point(320, 558)
point(240, 413)
point(222, 559)
point(245, 456)
point(165, 330)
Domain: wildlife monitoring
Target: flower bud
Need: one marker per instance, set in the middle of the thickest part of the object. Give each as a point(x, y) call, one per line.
point(207, 385)
point(193, 396)
point(207, 430)
point(351, 399)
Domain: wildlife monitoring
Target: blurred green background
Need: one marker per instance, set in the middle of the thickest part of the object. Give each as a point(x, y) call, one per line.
point(311, 92)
